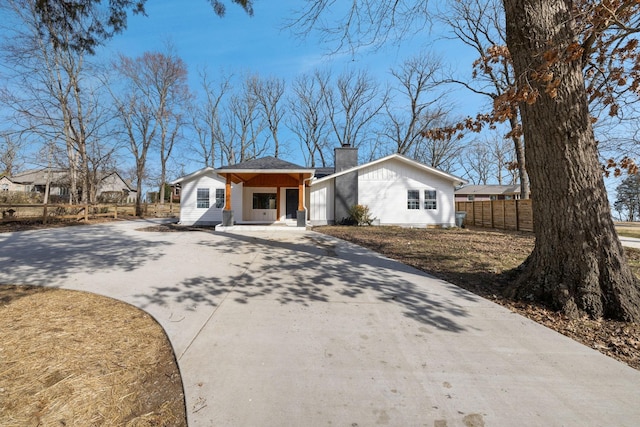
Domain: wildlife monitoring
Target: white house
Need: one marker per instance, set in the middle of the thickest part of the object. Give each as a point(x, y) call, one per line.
point(265, 190)
point(397, 190)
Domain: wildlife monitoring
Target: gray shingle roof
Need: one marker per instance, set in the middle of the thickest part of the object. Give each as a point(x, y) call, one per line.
point(40, 176)
point(264, 163)
point(322, 172)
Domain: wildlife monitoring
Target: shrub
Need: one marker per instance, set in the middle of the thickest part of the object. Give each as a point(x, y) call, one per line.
point(360, 215)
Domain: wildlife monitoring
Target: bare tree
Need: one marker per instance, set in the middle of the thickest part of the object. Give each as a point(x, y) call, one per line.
point(10, 154)
point(244, 138)
point(268, 93)
point(52, 94)
point(149, 108)
point(479, 24)
point(478, 166)
point(353, 106)
point(502, 156)
point(169, 81)
point(439, 152)
point(307, 121)
point(488, 159)
point(206, 118)
point(363, 24)
point(408, 118)
point(419, 110)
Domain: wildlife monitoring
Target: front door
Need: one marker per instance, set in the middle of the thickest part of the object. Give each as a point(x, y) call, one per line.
point(292, 203)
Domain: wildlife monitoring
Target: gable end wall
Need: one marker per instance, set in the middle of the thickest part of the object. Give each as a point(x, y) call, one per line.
point(383, 188)
point(189, 213)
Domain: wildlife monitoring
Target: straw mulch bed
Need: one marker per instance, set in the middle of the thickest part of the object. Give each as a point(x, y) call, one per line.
point(76, 359)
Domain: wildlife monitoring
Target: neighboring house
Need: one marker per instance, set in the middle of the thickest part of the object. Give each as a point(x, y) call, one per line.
point(397, 190)
point(175, 193)
point(113, 188)
point(470, 193)
point(172, 194)
point(6, 184)
point(110, 187)
point(35, 181)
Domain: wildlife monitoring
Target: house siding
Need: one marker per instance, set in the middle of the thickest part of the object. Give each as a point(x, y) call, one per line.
point(114, 183)
point(7, 185)
point(190, 214)
point(321, 203)
point(383, 188)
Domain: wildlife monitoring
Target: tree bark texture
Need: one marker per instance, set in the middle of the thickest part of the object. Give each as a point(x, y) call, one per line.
point(578, 263)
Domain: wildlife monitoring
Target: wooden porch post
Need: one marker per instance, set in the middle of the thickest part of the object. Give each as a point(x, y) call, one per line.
point(227, 213)
point(300, 192)
point(302, 214)
point(278, 203)
point(227, 194)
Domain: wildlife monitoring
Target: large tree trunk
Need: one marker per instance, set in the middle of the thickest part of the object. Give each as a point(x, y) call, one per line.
point(577, 264)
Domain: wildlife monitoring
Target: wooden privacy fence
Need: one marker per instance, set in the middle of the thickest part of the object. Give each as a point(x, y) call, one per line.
point(62, 212)
point(503, 214)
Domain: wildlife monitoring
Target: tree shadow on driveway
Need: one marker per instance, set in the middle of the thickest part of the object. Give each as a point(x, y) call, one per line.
point(310, 268)
point(48, 257)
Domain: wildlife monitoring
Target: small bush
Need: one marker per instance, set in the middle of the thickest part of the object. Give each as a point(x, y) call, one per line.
point(360, 215)
point(20, 197)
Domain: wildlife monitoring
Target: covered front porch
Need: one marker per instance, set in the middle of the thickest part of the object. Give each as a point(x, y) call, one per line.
point(271, 191)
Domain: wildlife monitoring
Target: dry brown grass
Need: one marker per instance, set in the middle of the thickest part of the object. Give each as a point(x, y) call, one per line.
point(628, 229)
point(478, 260)
point(71, 358)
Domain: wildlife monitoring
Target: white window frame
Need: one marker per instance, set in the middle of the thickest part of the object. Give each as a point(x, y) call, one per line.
point(431, 203)
point(201, 201)
point(220, 199)
point(413, 203)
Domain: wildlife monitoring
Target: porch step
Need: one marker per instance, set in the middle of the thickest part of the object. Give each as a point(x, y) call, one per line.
point(257, 227)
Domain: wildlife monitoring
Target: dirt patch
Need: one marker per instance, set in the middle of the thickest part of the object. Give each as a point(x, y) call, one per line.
point(479, 260)
point(71, 358)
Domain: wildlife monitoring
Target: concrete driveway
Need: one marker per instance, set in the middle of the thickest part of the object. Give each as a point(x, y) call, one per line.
point(631, 242)
point(292, 329)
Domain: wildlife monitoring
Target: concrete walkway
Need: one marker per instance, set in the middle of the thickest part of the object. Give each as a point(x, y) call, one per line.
point(292, 329)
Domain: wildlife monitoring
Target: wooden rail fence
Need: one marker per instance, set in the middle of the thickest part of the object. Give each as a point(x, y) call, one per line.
point(61, 212)
point(503, 214)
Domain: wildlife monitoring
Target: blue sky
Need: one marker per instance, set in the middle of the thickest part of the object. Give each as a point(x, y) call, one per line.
point(238, 43)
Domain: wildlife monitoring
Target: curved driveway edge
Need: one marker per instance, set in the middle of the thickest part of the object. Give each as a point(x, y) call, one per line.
point(273, 328)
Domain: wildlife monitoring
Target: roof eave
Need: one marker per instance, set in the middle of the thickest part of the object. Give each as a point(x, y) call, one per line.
point(456, 180)
point(192, 175)
point(270, 171)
